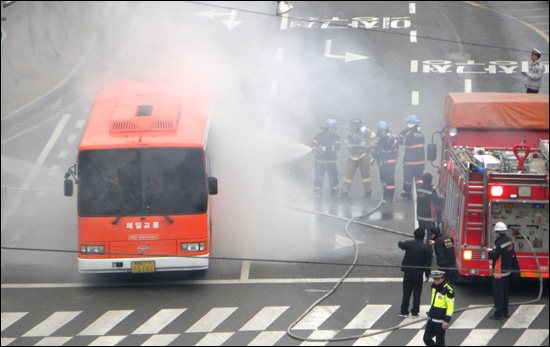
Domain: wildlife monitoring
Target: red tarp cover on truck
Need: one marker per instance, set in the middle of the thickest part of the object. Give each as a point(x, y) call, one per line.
point(497, 110)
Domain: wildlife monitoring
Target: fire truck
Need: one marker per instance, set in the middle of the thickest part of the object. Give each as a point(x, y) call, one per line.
point(494, 167)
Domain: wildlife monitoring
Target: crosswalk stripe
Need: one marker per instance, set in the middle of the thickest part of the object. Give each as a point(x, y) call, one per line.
point(470, 319)
point(214, 339)
point(316, 317)
point(479, 337)
point(320, 334)
point(53, 341)
point(523, 317)
point(106, 322)
point(211, 320)
point(375, 340)
point(160, 340)
point(267, 338)
point(8, 318)
point(532, 337)
point(367, 317)
point(264, 318)
point(159, 321)
point(5, 341)
point(107, 340)
point(52, 323)
point(418, 339)
point(422, 314)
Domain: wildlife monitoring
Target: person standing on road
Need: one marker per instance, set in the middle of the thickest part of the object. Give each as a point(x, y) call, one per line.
point(325, 145)
point(359, 141)
point(413, 162)
point(441, 310)
point(427, 203)
point(501, 256)
point(444, 249)
point(417, 260)
point(536, 71)
point(386, 152)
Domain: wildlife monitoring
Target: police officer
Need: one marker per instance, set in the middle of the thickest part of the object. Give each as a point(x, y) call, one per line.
point(441, 310)
point(359, 141)
point(325, 145)
point(444, 249)
point(427, 201)
point(501, 255)
point(386, 152)
point(413, 162)
point(417, 260)
point(536, 71)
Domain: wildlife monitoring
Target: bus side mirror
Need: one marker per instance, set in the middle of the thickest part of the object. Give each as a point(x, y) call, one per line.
point(212, 185)
point(68, 187)
point(432, 152)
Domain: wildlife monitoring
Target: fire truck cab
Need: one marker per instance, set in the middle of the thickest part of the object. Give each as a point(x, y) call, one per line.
point(494, 167)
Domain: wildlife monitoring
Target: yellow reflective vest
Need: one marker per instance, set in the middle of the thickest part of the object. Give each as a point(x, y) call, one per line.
point(443, 303)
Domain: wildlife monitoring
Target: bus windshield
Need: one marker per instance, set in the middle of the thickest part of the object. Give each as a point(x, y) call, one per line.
point(141, 182)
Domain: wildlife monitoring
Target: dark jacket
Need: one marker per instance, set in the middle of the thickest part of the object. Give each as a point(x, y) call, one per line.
point(413, 140)
point(331, 142)
point(444, 249)
point(387, 150)
point(417, 253)
point(427, 202)
point(502, 256)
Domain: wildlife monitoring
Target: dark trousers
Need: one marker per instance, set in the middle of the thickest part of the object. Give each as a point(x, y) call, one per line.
point(412, 174)
point(387, 177)
point(532, 91)
point(332, 172)
point(411, 284)
point(434, 329)
point(500, 295)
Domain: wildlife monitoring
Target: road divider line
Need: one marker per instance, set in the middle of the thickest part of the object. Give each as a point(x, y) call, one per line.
point(415, 98)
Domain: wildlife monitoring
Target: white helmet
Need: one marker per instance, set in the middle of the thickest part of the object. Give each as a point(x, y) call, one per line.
point(500, 227)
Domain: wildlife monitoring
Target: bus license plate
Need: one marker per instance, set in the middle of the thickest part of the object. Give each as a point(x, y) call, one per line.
point(143, 266)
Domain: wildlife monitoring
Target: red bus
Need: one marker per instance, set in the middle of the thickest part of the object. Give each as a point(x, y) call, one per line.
point(142, 174)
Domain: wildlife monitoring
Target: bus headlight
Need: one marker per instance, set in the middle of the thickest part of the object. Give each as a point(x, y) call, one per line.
point(95, 249)
point(193, 247)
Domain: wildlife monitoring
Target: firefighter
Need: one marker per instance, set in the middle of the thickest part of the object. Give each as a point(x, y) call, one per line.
point(413, 162)
point(444, 249)
point(501, 255)
point(417, 260)
point(325, 145)
point(427, 202)
point(536, 71)
point(441, 310)
point(386, 152)
point(359, 141)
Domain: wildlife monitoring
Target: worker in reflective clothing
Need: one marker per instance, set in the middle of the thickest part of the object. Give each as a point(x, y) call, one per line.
point(385, 154)
point(325, 145)
point(413, 162)
point(501, 257)
point(360, 141)
point(441, 310)
point(427, 203)
point(536, 71)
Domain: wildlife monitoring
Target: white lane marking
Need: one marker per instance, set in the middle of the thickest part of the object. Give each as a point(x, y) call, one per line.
point(211, 320)
point(8, 318)
point(267, 338)
point(34, 171)
point(367, 317)
point(316, 317)
point(479, 337)
point(245, 270)
point(80, 124)
point(274, 89)
point(53, 341)
point(263, 319)
point(106, 322)
point(532, 337)
point(468, 86)
point(214, 339)
point(523, 317)
point(63, 154)
point(160, 340)
point(72, 138)
point(415, 98)
point(107, 340)
point(414, 65)
point(382, 280)
point(159, 321)
point(471, 318)
point(284, 21)
point(413, 36)
point(375, 340)
point(320, 334)
point(412, 8)
point(52, 323)
point(279, 55)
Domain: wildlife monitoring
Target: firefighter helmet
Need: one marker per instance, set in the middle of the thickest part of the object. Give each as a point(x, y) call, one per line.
point(329, 123)
point(500, 227)
point(356, 122)
point(413, 120)
point(381, 126)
